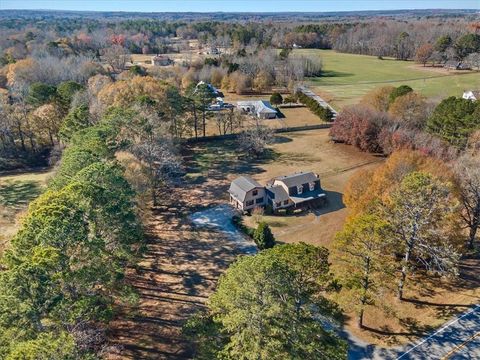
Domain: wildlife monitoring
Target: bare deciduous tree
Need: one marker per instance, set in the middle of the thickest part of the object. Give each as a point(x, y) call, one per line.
point(162, 163)
point(254, 140)
point(420, 216)
point(467, 169)
point(116, 56)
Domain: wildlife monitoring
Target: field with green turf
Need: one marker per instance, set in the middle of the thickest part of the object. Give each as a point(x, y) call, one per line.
point(347, 77)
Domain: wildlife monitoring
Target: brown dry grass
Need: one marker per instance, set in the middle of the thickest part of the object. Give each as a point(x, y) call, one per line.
point(293, 117)
point(178, 272)
point(16, 191)
point(313, 151)
point(429, 303)
point(182, 263)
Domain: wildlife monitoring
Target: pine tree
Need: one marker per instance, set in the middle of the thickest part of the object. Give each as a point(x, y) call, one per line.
point(263, 236)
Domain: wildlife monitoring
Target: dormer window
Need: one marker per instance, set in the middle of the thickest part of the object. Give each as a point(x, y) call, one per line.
point(311, 186)
point(255, 192)
point(299, 189)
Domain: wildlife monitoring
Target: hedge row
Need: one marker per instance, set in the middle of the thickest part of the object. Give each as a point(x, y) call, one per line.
point(324, 114)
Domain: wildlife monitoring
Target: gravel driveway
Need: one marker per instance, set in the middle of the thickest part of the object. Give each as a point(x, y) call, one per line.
point(220, 218)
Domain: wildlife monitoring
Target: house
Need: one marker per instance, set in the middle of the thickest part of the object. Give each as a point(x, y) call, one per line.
point(456, 65)
point(213, 51)
point(471, 95)
point(160, 60)
point(295, 190)
point(246, 194)
point(215, 92)
point(260, 108)
point(290, 191)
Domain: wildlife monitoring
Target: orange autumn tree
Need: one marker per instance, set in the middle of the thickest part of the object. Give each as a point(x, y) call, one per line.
point(124, 93)
point(368, 187)
point(378, 98)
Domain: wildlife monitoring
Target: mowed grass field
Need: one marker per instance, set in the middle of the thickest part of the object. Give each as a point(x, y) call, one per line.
point(347, 77)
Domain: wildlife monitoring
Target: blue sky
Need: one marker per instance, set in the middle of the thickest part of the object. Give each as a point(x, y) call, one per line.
point(237, 5)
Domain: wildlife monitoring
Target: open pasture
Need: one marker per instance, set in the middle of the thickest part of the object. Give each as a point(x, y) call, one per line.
point(347, 77)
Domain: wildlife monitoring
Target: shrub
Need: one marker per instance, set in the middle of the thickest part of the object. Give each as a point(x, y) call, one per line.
point(263, 236)
point(237, 221)
point(137, 70)
point(323, 113)
point(276, 98)
point(399, 91)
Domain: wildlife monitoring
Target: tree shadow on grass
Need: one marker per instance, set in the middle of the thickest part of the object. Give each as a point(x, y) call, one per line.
point(279, 139)
point(18, 193)
point(332, 73)
point(215, 159)
point(334, 203)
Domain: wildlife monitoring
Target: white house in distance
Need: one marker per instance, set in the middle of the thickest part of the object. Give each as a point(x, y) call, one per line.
point(473, 95)
point(260, 108)
point(296, 190)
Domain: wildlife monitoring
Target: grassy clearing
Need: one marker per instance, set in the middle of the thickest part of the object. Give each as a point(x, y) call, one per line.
point(348, 77)
point(16, 191)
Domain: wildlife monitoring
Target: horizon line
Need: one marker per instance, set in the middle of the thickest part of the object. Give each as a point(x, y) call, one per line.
point(243, 12)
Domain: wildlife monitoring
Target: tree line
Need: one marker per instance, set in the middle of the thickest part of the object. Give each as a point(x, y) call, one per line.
point(63, 274)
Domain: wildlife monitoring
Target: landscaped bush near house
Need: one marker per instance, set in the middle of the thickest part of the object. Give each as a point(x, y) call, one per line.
point(238, 222)
point(263, 236)
point(323, 113)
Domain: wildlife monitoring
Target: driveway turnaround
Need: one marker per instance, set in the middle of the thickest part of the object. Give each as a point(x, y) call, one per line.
point(220, 218)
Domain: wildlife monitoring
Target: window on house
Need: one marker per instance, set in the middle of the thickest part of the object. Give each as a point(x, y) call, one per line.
point(255, 192)
point(249, 203)
point(311, 186)
point(259, 200)
point(278, 204)
point(299, 189)
point(285, 202)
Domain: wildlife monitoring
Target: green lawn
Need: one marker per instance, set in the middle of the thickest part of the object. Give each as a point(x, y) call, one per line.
point(348, 77)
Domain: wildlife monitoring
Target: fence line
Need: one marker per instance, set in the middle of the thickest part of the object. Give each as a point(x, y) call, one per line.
point(280, 130)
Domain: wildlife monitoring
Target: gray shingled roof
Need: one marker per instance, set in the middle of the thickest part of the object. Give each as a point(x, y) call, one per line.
point(241, 186)
point(279, 192)
point(297, 179)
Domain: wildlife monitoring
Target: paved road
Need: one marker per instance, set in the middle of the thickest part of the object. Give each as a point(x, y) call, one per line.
point(458, 339)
